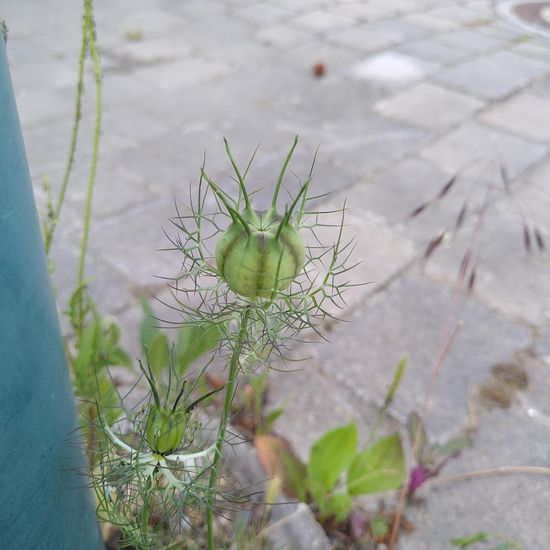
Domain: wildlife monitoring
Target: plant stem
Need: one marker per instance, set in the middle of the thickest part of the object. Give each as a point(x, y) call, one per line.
point(229, 396)
point(74, 135)
point(95, 148)
point(450, 328)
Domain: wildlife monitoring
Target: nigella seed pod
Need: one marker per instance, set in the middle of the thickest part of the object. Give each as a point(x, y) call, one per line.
point(260, 253)
point(261, 257)
point(164, 429)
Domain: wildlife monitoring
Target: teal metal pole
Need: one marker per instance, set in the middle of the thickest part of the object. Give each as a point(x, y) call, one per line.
point(45, 500)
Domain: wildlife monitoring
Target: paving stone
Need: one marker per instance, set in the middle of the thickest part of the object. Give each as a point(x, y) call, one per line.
point(432, 50)
point(302, 6)
point(481, 6)
point(363, 147)
point(399, 30)
point(302, 59)
point(358, 12)
point(154, 23)
point(132, 54)
point(457, 14)
point(21, 19)
point(328, 178)
point(362, 38)
point(453, 510)
point(263, 14)
point(170, 160)
point(540, 88)
point(396, 6)
point(533, 400)
point(202, 10)
point(287, 104)
point(533, 50)
point(117, 188)
point(380, 253)
point(321, 21)
point(429, 106)
point(503, 30)
point(130, 319)
point(44, 107)
point(136, 251)
point(508, 278)
point(544, 347)
point(393, 194)
point(47, 149)
point(430, 22)
point(182, 74)
point(392, 69)
point(408, 318)
point(473, 142)
point(224, 40)
point(525, 114)
point(283, 36)
point(37, 69)
point(241, 3)
point(494, 76)
point(294, 524)
point(109, 289)
point(470, 41)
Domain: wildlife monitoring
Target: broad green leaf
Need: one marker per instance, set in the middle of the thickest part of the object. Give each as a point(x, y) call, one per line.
point(158, 353)
point(294, 482)
point(379, 468)
point(147, 329)
point(331, 454)
point(315, 490)
point(193, 341)
point(338, 506)
point(464, 542)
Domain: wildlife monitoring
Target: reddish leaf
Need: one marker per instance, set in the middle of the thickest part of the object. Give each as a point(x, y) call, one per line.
point(278, 460)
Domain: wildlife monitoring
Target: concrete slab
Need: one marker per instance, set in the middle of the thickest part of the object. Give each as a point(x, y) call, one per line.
point(429, 106)
point(525, 114)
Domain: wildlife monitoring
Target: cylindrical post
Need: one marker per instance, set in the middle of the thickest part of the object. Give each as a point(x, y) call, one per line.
point(45, 499)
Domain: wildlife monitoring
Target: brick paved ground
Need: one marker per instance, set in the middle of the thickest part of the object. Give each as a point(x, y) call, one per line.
point(414, 91)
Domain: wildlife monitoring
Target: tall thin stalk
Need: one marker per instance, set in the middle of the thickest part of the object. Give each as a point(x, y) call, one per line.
point(49, 234)
point(92, 45)
point(229, 396)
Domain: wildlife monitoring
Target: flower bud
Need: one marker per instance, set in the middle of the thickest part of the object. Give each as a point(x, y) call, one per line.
point(164, 429)
point(259, 253)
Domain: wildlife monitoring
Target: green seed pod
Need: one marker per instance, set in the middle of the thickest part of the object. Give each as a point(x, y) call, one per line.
point(164, 429)
point(259, 253)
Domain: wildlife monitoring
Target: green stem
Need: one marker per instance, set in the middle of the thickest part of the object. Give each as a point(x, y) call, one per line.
point(229, 396)
point(95, 148)
point(74, 136)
